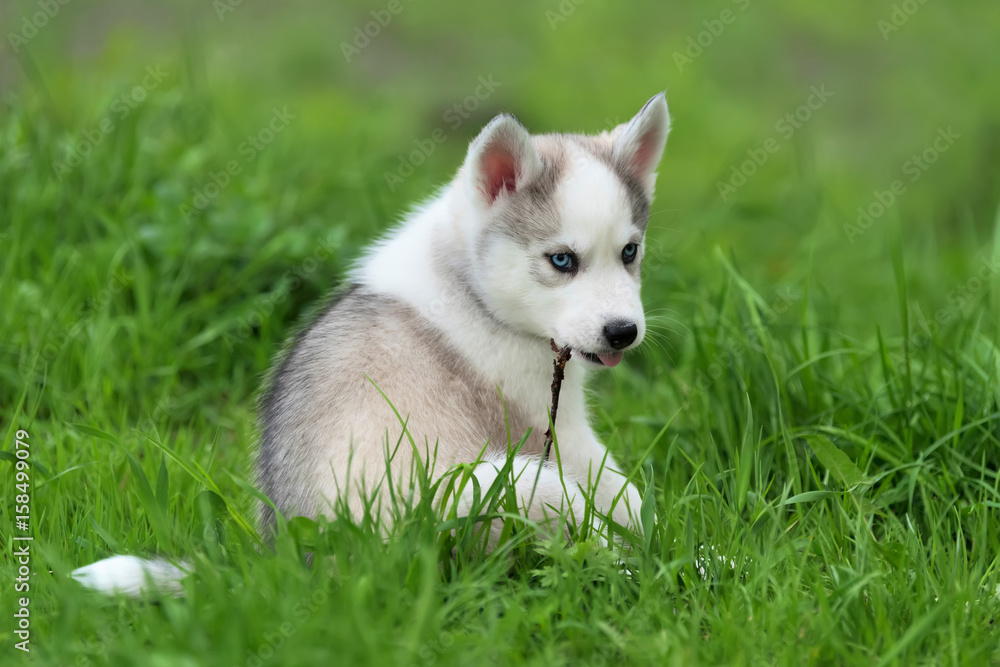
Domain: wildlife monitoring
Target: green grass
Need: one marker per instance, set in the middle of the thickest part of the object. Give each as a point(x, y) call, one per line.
point(825, 413)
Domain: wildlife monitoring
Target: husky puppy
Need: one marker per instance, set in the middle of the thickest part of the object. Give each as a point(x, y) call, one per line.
point(442, 338)
point(444, 330)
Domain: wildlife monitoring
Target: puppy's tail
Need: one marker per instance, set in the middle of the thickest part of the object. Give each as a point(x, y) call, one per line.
point(132, 576)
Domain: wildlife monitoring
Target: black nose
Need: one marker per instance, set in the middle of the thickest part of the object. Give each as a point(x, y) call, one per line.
point(620, 334)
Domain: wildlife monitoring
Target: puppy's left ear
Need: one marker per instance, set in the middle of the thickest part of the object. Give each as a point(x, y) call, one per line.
point(502, 160)
point(639, 143)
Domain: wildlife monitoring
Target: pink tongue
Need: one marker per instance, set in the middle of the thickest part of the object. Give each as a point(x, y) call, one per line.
point(610, 360)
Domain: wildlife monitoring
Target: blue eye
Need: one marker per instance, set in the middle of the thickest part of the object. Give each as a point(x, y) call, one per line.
point(564, 261)
point(629, 252)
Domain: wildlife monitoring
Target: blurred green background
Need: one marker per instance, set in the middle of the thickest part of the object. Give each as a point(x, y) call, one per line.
point(567, 66)
point(144, 290)
point(894, 75)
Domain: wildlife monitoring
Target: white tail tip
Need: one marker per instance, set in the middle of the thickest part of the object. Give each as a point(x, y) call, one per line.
point(128, 575)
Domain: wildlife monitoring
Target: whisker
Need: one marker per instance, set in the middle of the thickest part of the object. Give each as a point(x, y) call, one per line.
point(662, 322)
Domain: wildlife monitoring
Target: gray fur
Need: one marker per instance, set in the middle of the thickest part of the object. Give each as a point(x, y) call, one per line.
point(321, 388)
point(530, 214)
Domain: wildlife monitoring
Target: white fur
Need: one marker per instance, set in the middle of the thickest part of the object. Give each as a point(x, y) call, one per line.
point(596, 222)
point(128, 575)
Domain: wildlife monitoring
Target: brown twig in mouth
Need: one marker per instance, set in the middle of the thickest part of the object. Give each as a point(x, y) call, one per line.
point(558, 373)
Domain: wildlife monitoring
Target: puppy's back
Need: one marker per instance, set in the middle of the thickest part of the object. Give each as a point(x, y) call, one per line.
point(326, 427)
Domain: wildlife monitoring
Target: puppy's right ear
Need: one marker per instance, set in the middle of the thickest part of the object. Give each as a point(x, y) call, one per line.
point(639, 143)
point(502, 159)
